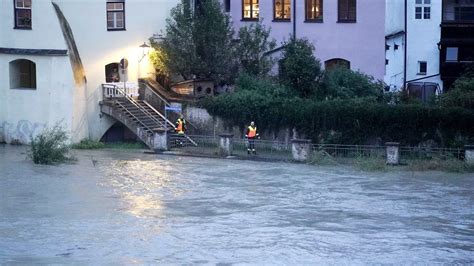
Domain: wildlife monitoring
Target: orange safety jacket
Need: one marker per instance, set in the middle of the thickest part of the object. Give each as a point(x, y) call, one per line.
point(180, 127)
point(251, 132)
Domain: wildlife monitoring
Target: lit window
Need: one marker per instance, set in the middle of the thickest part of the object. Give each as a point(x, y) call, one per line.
point(250, 9)
point(116, 15)
point(451, 54)
point(314, 10)
point(423, 9)
point(22, 14)
point(22, 74)
point(282, 9)
point(347, 10)
point(422, 68)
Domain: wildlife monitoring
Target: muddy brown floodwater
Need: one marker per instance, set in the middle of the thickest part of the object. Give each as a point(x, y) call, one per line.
point(118, 207)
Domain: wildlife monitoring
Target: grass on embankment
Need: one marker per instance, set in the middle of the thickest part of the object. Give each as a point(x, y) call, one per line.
point(87, 144)
point(378, 164)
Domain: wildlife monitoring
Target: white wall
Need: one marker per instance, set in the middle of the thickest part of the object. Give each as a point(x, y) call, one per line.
point(97, 48)
point(423, 36)
point(24, 112)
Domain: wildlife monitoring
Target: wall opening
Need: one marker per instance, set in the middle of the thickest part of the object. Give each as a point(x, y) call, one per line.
point(112, 73)
point(337, 63)
point(118, 132)
point(22, 74)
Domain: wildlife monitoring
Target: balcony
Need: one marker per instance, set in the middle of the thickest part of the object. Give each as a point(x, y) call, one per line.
point(458, 11)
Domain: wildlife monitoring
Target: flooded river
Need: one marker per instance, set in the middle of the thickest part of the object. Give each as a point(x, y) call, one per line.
point(115, 207)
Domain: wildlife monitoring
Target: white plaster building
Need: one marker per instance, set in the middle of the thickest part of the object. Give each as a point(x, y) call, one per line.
point(419, 37)
point(53, 60)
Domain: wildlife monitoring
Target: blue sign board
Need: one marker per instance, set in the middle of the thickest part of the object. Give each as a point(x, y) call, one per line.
point(173, 108)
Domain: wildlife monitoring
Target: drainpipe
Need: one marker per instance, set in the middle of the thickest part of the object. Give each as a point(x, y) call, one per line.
point(406, 48)
point(294, 19)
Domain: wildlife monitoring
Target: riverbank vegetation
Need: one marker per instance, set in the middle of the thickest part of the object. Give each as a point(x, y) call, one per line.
point(88, 144)
point(50, 146)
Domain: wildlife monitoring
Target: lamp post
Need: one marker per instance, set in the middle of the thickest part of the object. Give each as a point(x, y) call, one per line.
point(145, 49)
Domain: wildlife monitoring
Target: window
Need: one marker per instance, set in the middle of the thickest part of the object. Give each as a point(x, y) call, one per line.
point(116, 15)
point(346, 10)
point(464, 54)
point(314, 10)
point(22, 74)
point(250, 9)
point(451, 54)
point(422, 68)
point(112, 73)
point(22, 14)
point(423, 9)
point(227, 6)
point(336, 63)
point(282, 9)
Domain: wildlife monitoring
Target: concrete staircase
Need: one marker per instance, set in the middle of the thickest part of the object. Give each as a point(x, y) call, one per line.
point(140, 117)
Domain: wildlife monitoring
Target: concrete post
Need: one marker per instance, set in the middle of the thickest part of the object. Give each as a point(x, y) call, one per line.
point(160, 140)
point(301, 149)
point(393, 153)
point(225, 144)
point(469, 154)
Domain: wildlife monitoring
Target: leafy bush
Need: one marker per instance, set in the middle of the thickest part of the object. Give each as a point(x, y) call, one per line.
point(50, 146)
point(462, 93)
point(346, 84)
point(349, 121)
point(88, 144)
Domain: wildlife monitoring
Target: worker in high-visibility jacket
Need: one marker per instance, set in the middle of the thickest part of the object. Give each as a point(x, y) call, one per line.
point(180, 129)
point(180, 125)
point(251, 134)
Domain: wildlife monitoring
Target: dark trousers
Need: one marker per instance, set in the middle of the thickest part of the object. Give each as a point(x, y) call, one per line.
point(251, 144)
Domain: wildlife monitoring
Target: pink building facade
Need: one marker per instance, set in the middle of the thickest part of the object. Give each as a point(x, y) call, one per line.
point(344, 32)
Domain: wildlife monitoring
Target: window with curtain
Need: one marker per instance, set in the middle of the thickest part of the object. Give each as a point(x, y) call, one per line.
point(314, 10)
point(347, 10)
point(22, 14)
point(116, 15)
point(250, 9)
point(282, 9)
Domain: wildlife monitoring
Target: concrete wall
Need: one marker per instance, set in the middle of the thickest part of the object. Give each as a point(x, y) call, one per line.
point(57, 97)
point(361, 43)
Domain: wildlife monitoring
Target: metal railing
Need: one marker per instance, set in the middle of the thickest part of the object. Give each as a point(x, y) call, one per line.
point(158, 101)
point(340, 150)
point(120, 89)
point(429, 153)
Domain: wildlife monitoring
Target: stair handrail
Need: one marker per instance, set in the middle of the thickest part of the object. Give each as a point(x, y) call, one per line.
point(131, 100)
point(138, 120)
point(172, 125)
point(162, 116)
point(167, 103)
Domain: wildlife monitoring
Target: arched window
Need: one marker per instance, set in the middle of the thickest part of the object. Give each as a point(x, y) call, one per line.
point(337, 62)
point(112, 72)
point(22, 74)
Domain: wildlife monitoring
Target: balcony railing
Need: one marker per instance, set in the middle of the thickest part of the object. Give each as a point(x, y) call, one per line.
point(119, 89)
point(461, 15)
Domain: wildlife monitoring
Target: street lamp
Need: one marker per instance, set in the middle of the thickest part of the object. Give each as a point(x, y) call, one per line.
point(145, 48)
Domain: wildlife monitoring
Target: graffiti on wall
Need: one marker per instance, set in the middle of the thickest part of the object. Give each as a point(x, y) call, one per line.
point(21, 132)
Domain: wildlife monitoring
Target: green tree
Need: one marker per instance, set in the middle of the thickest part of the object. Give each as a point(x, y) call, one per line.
point(254, 44)
point(198, 42)
point(344, 83)
point(299, 68)
point(462, 93)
